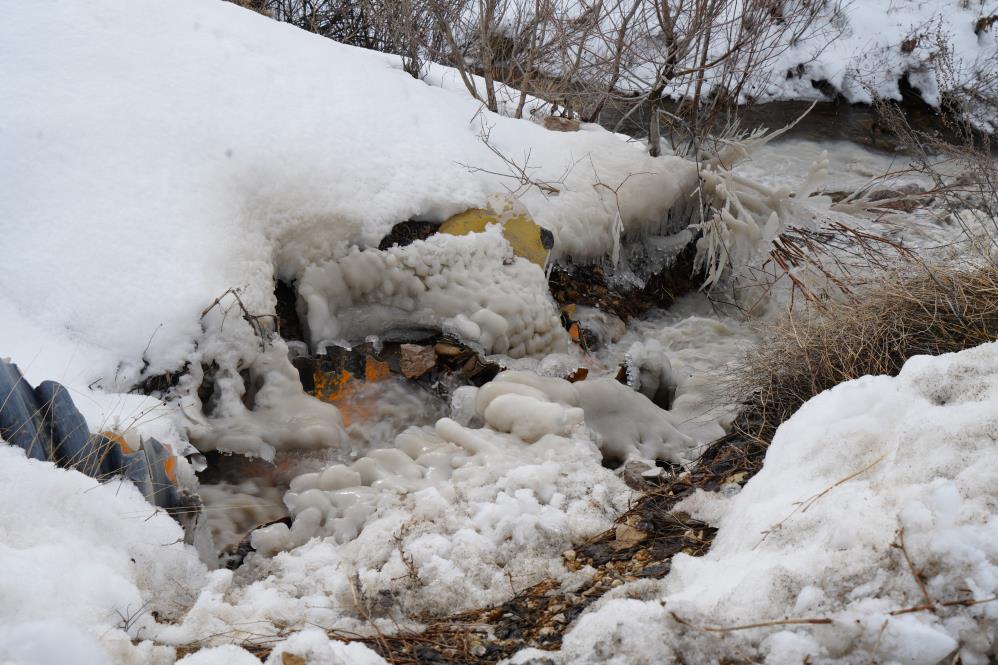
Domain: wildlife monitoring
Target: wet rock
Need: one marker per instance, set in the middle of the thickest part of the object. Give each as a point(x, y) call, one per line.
point(596, 286)
point(415, 361)
point(408, 232)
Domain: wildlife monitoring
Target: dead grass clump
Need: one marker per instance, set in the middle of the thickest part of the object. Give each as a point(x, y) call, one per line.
point(906, 313)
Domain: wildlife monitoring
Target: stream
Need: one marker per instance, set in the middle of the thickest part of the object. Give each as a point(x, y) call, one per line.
point(691, 345)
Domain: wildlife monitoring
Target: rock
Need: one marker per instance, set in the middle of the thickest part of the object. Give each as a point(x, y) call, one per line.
point(415, 361)
point(449, 350)
point(408, 232)
point(593, 285)
point(905, 198)
point(634, 475)
point(437, 363)
point(559, 124)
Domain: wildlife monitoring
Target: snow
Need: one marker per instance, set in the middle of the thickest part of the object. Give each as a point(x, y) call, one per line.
point(816, 533)
point(869, 56)
point(49, 641)
point(99, 558)
point(858, 50)
point(163, 153)
point(471, 285)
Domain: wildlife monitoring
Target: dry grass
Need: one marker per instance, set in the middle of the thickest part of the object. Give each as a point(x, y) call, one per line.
point(907, 312)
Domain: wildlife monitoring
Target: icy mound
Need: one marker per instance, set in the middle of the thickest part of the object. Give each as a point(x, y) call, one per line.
point(627, 423)
point(526, 417)
point(453, 518)
point(856, 473)
point(85, 566)
point(471, 285)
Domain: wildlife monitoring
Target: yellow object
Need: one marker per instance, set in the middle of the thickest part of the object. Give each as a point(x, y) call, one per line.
point(526, 238)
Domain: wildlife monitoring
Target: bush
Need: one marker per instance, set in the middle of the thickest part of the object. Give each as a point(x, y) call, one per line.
point(907, 313)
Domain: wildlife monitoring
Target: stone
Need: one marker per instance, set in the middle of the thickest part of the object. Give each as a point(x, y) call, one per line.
point(415, 361)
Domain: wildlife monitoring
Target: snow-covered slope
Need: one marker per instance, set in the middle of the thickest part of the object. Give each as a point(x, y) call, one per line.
point(159, 153)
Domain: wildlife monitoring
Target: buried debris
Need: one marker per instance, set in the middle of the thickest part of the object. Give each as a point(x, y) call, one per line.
point(425, 357)
point(527, 239)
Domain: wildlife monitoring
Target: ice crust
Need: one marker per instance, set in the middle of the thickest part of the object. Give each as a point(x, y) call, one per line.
point(471, 285)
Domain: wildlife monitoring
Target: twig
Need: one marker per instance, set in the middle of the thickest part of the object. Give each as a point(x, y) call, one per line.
point(803, 506)
point(928, 604)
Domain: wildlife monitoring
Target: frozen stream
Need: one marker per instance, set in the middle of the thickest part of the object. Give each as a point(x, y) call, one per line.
point(694, 343)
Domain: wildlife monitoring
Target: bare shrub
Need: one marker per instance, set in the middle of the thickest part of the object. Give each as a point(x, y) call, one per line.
point(906, 313)
point(593, 59)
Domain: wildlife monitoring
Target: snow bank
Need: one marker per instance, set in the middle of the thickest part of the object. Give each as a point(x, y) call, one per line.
point(853, 49)
point(876, 44)
point(816, 535)
point(86, 566)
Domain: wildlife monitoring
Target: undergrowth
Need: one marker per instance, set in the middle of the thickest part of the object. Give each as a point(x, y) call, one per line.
point(906, 312)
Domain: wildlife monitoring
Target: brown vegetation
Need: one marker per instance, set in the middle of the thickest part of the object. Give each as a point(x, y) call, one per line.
point(907, 312)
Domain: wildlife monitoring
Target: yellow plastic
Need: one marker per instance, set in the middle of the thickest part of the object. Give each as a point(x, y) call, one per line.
point(523, 234)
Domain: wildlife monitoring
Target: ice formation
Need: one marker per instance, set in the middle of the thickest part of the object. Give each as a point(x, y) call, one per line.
point(524, 414)
point(817, 533)
point(257, 403)
point(494, 523)
point(471, 285)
